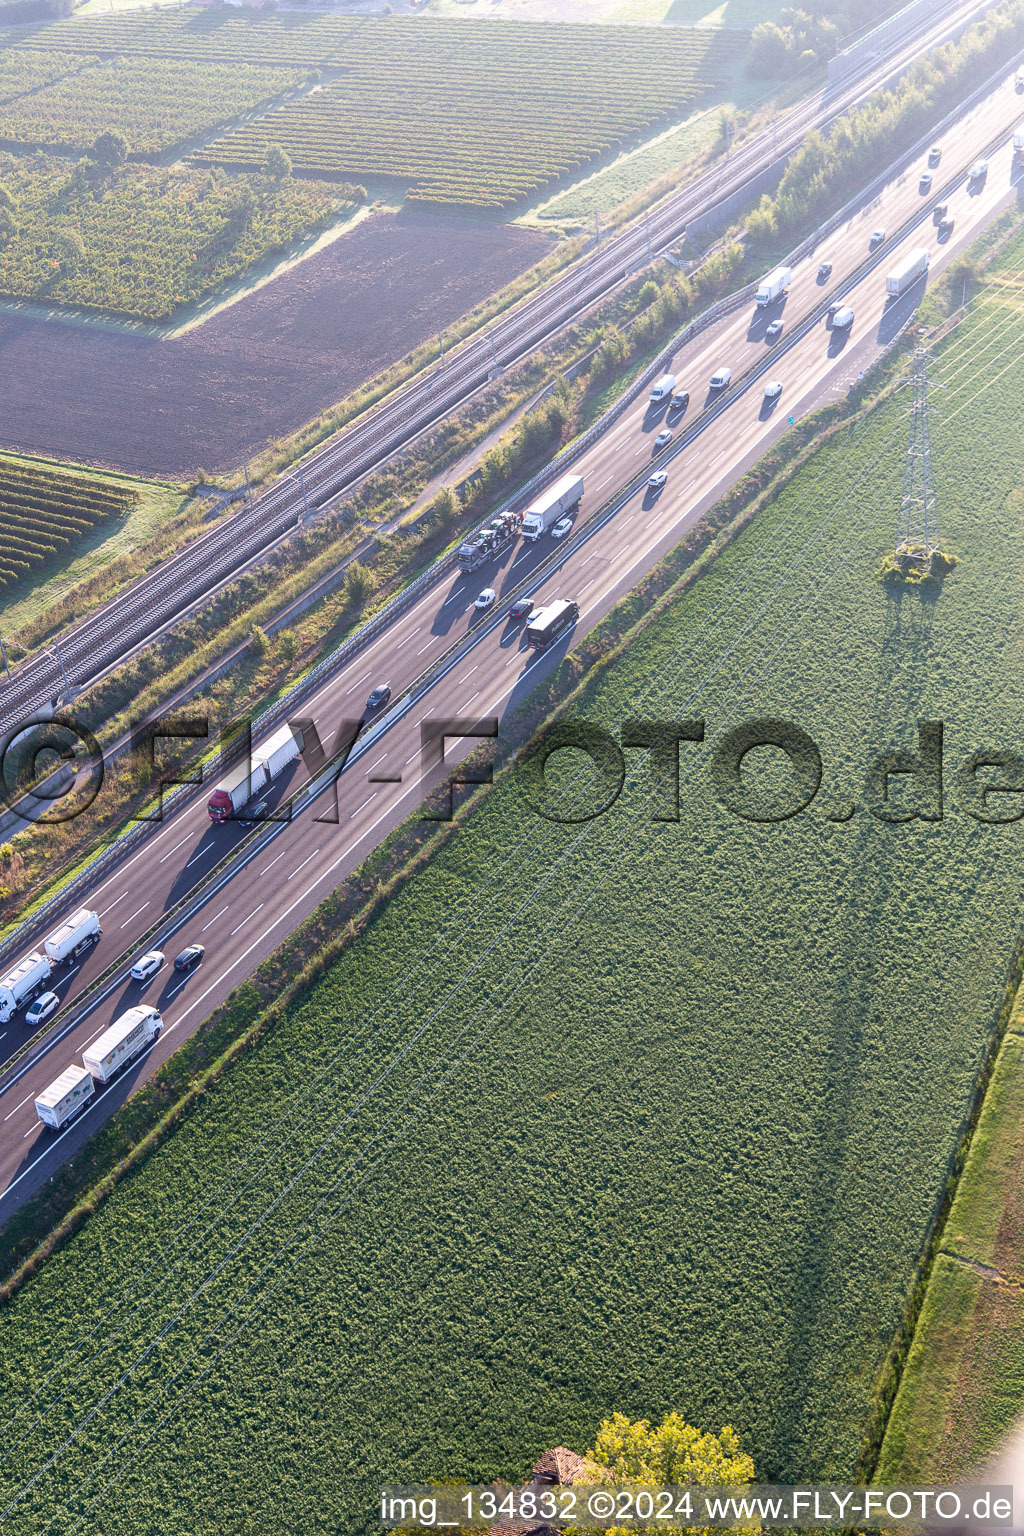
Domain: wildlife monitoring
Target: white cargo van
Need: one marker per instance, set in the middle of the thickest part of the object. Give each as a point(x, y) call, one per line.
point(664, 387)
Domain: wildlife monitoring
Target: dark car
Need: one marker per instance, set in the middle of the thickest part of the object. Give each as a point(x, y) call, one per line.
point(825, 270)
point(379, 696)
point(521, 608)
point(680, 401)
point(189, 957)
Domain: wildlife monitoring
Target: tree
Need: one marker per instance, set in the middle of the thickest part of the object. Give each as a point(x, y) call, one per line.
point(110, 149)
point(278, 162)
point(8, 226)
point(69, 245)
point(673, 1454)
point(769, 50)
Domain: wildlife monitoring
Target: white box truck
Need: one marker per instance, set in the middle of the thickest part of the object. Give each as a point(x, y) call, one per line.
point(65, 1096)
point(555, 502)
point(132, 1033)
point(664, 387)
point(913, 266)
point(74, 935)
point(22, 983)
point(235, 789)
point(773, 286)
point(1018, 140)
point(283, 748)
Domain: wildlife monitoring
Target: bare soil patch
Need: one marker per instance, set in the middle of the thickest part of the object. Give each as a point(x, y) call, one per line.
point(259, 368)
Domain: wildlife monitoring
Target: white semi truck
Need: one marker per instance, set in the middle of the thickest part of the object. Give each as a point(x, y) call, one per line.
point(68, 1094)
point(126, 1038)
point(75, 935)
point(554, 503)
point(913, 266)
point(773, 286)
point(239, 786)
point(22, 983)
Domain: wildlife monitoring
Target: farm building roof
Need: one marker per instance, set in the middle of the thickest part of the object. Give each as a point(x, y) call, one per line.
point(559, 1466)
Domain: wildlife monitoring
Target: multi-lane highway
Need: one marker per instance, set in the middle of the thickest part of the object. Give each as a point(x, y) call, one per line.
point(622, 530)
point(149, 604)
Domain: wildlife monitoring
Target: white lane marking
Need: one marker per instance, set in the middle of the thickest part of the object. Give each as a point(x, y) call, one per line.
point(459, 592)
point(357, 682)
point(175, 848)
point(521, 556)
point(4, 1035)
point(469, 674)
point(246, 919)
point(32, 1130)
point(196, 857)
point(639, 451)
point(411, 759)
point(362, 807)
point(114, 903)
point(415, 632)
point(14, 1111)
point(134, 915)
point(603, 482)
point(303, 864)
point(720, 455)
point(470, 699)
point(377, 763)
point(276, 861)
point(96, 1034)
point(432, 641)
point(513, 659)
point(214, 919)
point(589, 584)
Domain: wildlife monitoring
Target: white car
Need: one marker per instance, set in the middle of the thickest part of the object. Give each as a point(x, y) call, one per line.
point(485, 599)
point(720, 378)
point(842, 319)
point(147, 966)
point(774, 390)
point(658, 479)
point(561, 528)
point(663, 438)
point(41, 1009)
point(926, 181)
point(877, 237)
point(978, 170)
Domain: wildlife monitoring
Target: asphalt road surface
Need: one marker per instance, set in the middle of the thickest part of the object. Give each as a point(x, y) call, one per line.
point(292, 866)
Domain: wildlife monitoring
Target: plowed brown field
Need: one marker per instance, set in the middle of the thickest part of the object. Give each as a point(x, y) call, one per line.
point(259, 368)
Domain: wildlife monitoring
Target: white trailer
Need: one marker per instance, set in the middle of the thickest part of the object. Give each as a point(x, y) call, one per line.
point(555, 502)
point(65, 1096)
point(664, 387)
point(283, 748)
point(74, 935)
point(132, 1033)
point(22, 983)
point(913, 266)
point(235, 788)
point(773, 286)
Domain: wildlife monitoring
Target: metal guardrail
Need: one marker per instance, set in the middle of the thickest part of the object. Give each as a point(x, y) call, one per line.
point(24, 933)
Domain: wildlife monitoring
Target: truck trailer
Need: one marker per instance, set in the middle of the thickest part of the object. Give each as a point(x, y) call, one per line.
point(773, 286)
point(68, 1094)
point(75, 935)
point(555, 502)
point(913, 266)
point(126, 1038)
point(235, 789)
point(22, 983)
point(284, 747)
point(487, 542)
point(547, 625)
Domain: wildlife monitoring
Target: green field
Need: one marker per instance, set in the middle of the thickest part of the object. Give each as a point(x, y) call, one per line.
point(154, 103)
point(485, 116)
point(633, 1115)
point(153, 241)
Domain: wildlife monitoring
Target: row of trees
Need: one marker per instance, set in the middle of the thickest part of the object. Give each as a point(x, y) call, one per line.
point(808, 35)
point(860, 144)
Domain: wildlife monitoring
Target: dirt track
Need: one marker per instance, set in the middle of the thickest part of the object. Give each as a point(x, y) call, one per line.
point(261, 367)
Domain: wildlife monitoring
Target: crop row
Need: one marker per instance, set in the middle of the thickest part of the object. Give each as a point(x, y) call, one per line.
point(157, 239)
point(464, 140)
point(356, 42)
point(154, 103)
point(43, 511)
point(26, 69)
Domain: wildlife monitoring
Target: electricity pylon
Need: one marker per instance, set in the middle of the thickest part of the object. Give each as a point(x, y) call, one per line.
point(918, 529)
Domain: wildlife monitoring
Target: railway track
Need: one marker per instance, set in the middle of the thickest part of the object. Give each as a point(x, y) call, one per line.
point(111, 632)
